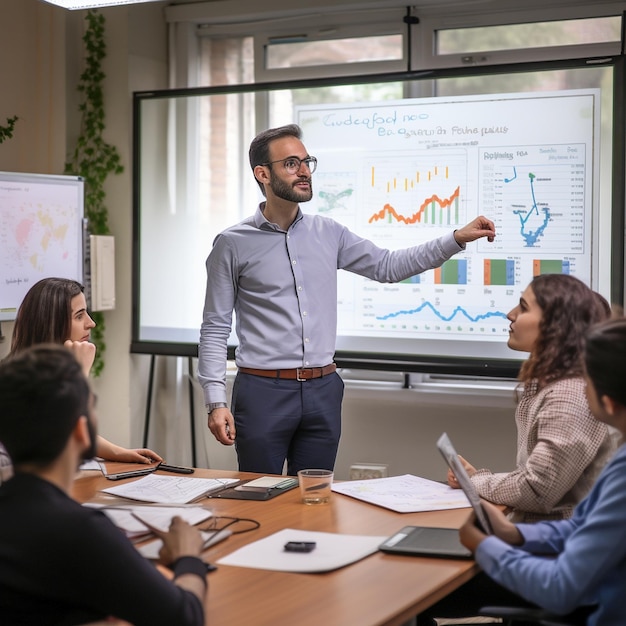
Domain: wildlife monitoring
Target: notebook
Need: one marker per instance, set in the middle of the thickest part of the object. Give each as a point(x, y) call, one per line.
point(444, 542)
point(264, 488)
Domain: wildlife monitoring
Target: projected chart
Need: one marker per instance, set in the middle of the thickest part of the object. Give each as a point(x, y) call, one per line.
point(535, 195)
point(416, 189)
point(551, 266)
point(499, 272)
point(432, 313)
point(402, 173)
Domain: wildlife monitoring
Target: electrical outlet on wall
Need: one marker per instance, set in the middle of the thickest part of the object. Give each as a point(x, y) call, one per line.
point(363, 471)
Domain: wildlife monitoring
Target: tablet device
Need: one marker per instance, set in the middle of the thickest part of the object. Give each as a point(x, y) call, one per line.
point(426, 541)
point(454, 463)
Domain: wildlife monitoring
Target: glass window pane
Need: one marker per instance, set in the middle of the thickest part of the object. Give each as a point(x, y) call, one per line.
point(333, 51)
point(228, 61)
point(524, 36)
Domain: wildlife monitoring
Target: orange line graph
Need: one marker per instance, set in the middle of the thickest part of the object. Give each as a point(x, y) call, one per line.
point(389, 211)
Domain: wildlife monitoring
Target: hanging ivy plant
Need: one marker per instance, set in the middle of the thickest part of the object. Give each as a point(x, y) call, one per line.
point(6, 132)
point(93, 158)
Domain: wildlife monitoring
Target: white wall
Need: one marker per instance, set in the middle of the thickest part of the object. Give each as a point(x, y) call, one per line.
point(32, 79)
point(41, 61)
point(383, 423)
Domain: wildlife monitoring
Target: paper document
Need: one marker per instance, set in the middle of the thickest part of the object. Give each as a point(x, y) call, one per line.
point(169, 489)
point(158, 516)
point(151, 550)
point(332, 551)
point(404, 494)
point(91, 464)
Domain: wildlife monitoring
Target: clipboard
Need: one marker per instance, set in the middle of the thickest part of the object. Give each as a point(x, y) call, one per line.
point(236, 493)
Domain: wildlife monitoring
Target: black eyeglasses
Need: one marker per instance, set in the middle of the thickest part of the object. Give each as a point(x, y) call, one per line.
point(237, 525)
point(292, 164)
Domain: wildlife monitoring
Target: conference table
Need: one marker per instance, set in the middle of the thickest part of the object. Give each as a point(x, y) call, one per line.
point(381, 589)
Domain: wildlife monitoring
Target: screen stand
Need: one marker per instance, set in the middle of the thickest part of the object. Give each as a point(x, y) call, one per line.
point(192, 412)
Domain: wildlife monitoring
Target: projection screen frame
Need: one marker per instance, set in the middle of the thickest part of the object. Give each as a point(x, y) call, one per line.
point(424, 363)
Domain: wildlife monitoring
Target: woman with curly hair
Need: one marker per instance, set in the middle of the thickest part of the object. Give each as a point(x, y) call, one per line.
point(561, 448)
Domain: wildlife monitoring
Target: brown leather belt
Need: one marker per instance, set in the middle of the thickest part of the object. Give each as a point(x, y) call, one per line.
point(299, 373)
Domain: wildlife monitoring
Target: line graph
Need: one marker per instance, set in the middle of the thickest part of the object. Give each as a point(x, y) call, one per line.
point(536, 198)
point(529, 235)
point(428, 213)
point(415, 188)
point(458, 311)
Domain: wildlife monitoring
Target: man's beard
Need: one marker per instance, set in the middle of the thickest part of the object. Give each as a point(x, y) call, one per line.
point(288, 191)
point(90, 452)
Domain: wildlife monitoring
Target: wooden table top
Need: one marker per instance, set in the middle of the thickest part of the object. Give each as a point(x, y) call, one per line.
point(380, 589)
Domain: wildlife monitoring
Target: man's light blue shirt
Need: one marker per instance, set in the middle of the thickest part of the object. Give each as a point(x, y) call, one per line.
point(585, 556)
point(282, 286)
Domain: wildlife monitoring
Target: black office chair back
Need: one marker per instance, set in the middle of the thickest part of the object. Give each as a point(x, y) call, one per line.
point(527, 616)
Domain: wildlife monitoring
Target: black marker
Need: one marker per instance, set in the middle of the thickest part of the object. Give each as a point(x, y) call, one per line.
point(299, 546)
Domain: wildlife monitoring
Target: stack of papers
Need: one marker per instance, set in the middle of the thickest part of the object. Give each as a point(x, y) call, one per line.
point(169, 489)
point(268, 482)
point(158, 516)
point(404, 494)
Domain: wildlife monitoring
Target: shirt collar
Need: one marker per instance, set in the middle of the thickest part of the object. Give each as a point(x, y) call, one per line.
point(263, 224)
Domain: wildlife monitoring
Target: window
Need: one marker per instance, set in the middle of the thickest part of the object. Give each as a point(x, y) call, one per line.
point(285, 53)
point(525, 36)
point(269, 72)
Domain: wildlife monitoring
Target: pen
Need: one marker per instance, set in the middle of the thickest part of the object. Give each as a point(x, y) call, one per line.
point(148, 525)
point(129, 507)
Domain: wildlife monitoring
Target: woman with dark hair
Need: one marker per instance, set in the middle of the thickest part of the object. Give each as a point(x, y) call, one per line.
point(54, 310)
point(561, 448)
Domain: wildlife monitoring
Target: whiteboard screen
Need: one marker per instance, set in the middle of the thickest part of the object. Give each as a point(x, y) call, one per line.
point(404, 172)
point(397, 165)
point(41, 233)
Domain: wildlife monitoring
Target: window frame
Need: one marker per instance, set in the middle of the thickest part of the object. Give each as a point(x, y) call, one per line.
point(353, 18)
point(425, 55)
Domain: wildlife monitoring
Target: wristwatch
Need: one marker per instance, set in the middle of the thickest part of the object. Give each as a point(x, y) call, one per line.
point(216, 405)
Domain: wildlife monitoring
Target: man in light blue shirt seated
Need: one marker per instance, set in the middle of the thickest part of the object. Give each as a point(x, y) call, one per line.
point(277, 270)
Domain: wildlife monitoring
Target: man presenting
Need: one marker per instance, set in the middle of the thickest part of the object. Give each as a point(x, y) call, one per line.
point(277, 270)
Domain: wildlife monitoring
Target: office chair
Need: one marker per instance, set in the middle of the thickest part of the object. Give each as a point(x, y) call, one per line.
point(523, 616)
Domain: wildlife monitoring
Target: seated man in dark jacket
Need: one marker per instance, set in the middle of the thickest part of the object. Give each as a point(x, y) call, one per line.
point(61, 563)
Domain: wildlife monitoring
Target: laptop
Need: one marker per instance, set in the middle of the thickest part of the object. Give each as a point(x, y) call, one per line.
point(442, 542)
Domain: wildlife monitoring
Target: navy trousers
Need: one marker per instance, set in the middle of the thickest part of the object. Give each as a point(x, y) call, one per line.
point(280, 419)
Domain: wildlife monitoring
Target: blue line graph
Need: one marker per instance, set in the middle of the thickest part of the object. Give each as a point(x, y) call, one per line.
point(530, 236)
point(510, 180)
point(459, 310)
